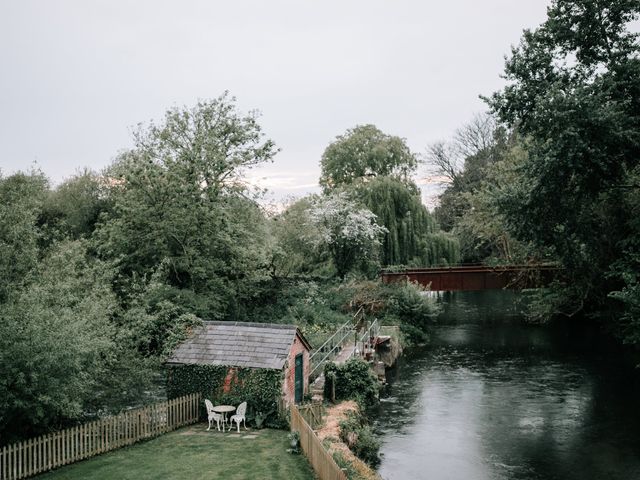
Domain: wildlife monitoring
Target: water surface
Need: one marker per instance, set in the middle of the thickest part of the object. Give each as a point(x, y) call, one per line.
point(494, 398)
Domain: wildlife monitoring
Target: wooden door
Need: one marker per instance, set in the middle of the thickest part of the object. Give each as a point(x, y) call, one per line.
point(299, 380)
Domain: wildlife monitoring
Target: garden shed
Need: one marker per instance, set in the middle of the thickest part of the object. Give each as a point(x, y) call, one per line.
point(227, 357)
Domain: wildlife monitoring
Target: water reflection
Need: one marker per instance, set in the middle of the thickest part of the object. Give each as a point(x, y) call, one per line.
point(492, 398)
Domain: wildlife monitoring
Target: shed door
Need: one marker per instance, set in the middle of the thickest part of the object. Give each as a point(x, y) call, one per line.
point(299, 382)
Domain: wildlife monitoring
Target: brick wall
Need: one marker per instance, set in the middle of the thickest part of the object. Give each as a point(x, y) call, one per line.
point(288, 386)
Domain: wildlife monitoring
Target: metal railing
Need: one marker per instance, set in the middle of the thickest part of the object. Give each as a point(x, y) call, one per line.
point(329, 349)
point(364, 343)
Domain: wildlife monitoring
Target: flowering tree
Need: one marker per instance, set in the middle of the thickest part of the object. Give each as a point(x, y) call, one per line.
point(346, 229)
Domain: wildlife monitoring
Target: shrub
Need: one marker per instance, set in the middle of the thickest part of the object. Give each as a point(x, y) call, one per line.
point(353, 380)
point(359, 437)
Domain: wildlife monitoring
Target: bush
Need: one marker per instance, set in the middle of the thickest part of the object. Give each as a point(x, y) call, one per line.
point(353, 380)
point(359, 437)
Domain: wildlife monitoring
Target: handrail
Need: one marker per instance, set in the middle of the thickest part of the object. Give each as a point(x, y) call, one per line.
point(332, 351)
point(346, 329)
point(369, 332)
point(318, 350)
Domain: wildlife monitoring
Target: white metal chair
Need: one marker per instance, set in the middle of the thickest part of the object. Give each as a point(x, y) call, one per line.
point(239, 416)
point(213, 416)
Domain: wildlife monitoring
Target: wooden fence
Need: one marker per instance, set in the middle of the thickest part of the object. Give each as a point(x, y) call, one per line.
point(312, 414)
point(47, 452)
point(322, 462)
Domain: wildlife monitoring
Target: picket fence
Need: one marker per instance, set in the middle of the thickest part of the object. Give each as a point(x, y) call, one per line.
point(312, 414)
point(40, 454)
point(322, 462)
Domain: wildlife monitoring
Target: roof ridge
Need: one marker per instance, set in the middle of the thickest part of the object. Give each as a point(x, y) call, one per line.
point(283, 326)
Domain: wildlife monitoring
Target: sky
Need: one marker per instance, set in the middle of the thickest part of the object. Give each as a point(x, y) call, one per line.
point(77, 76)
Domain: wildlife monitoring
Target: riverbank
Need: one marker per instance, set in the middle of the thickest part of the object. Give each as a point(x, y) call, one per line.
point(330, 434)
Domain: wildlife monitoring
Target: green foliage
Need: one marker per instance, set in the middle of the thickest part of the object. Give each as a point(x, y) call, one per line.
point(627, 269)
point(413, 308)
point(365, 152)
point(402, 304)
point(412, 237)
point(473, 163)
point(353, 380)
point(294, 250)
point(260, 388)
point(483, 229)
point(180, 212)
point(21, 197)
point(72, 210)
point(573, 91)
point(358, 436)
point(59, 350)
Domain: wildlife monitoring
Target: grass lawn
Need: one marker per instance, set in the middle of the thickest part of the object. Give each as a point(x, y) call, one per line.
point(194, 453)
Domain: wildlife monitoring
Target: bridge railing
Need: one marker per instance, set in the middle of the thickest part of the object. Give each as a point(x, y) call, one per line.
point(472, 266)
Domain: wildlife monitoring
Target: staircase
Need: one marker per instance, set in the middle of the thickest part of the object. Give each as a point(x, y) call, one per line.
point(340, 347)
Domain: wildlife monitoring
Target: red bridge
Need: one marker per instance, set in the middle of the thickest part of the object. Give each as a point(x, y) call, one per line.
point(476, 277)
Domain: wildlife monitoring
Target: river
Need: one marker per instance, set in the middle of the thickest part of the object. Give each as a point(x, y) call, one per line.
point(494, 398)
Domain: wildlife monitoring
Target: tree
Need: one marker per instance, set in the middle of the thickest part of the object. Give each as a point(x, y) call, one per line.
point(346, 229)
point(574, 92)
point(21, 199)
point(209, 146)
point(59, 355)
point(364, 152)
point(463, 163)
point(411, 236)
point(478, 139)
point(73, 208)
point(482, 228)
point(180, 209)
point(293, 251)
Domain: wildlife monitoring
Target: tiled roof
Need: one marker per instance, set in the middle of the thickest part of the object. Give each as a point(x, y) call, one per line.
point(237, 344)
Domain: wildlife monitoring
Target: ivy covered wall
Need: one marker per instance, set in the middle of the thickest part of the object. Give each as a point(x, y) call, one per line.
point(260, 388)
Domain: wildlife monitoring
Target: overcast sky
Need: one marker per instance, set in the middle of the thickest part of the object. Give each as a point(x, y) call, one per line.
point(77, 75)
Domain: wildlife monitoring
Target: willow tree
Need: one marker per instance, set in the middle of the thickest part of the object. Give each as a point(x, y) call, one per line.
point(412, 236)
point(378, 167)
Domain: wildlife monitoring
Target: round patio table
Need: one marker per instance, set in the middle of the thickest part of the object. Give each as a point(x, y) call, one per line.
point(224, 410)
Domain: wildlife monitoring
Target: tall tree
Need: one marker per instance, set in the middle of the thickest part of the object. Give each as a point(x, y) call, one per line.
point(574, 91)
point(59, 355)
point(411, 236)
point(73, 208)
point(365, 152)
point(180, 207)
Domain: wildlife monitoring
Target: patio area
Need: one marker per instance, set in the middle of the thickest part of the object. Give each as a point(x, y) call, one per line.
point(195, 453)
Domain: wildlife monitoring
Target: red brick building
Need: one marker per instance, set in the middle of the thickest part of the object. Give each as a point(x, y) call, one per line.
point(251, 345)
